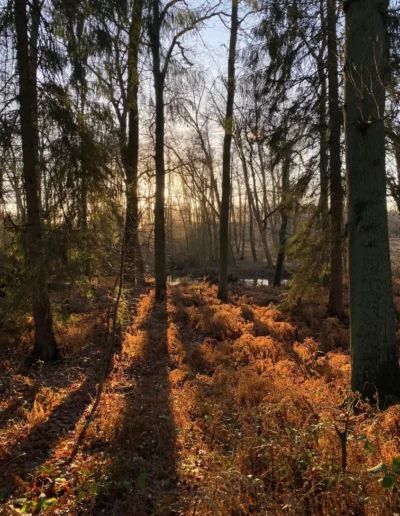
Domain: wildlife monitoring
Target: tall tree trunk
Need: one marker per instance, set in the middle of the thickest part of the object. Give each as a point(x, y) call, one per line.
point(392, 183)
point(84, 215)
point(79, 57)
point(133, 255)
point(234, 228)
point(84, 178)
point(261, 217)
point(323, 165)
point(323, 129)
point(159, 209)
point(214, 225)
point(252, 239)
point(335, 294)
point(396, 193)
point(224, 245)
point(243, 234)
point(373, 340)
point(45, 346)
point(169, 219)
point(284, 217)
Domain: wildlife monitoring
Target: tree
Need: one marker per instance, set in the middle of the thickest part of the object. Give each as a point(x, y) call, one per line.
point(373, 340)
point(119, 30)
point(336, 195)
point(226, 159)
point(45, 345)
point(160, 18)
point(133, 255)
point(251, 125)
point(284, 211)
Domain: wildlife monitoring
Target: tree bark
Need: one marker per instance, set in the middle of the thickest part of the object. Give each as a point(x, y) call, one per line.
point(243, 232)
point(284, 217)
point(373, 339)
point(335, 294)
point(133, 256)
point(84, 178)
point(45, 346)
point(394, 183)
point(224, 245)
point(323, 129)
point(252, 239)
point(159, 209)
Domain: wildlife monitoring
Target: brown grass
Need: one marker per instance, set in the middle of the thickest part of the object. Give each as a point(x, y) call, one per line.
point(209, 409)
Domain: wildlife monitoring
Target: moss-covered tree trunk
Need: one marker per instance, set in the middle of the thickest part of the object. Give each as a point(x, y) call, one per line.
point(373, 340)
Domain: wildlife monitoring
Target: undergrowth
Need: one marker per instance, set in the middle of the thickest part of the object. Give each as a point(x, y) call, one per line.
point(209, 409)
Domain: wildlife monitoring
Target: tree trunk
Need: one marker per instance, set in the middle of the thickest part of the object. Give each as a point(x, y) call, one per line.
point(224, 244)
point(133, 255)
point(252, 239)
point(243, 233)
point(159, 209)
point(323, 130)
point(284, 217)
point(396, 192)
point(335, 294)
point(234, 226)
point(373, 339)
point(394, 183)
point(83, 223)
point(45, 346)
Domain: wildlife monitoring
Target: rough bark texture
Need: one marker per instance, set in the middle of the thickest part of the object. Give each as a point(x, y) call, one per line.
point(373, 340)
point(159, 209)
point(133, 256)
point(335, 294)
point(224, 246)
point(45, 346)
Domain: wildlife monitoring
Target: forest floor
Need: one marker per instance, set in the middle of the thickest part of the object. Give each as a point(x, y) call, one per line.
point(201, 408)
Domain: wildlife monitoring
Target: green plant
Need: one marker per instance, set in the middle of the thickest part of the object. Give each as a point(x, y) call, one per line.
point(308, 250)
point(390, 474)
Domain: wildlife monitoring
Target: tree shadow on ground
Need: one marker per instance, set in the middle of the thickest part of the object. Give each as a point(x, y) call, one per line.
point(234, 418)
point(38, 444)
point(143, 474)
point(20, 382)
point(36, 447)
